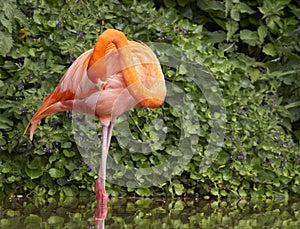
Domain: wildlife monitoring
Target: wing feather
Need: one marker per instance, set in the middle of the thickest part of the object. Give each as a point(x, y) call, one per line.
point(74, 84)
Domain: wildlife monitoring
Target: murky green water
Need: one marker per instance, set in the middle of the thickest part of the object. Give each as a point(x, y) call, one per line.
point(150, 213)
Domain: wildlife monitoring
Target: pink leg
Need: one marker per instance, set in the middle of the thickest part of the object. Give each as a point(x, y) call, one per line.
point(100, 215)
point(101, 194)
point(110, 129)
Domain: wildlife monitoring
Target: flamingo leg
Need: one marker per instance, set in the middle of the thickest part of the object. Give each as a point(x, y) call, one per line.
point(101, 194)
point(110, 129)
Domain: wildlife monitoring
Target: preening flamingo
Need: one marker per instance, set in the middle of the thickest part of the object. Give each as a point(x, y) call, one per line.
point(115, 76)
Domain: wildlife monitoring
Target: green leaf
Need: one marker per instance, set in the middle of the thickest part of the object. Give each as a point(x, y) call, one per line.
point(262, 32)
point(187, 12)
point(138, 157)
point(242, 193)
point(5, 120)
point(34, 173)
point(72, 165)
point(35, 163)
point(244, 8)
point(143, 191)
point(182, 70)
point(6, 43)
point(231, 27)
point(179, 205)
point(6, 23)
point(54, 157)
point(179, 189)
point(215, 191)
point(32, 219)
point(5, 126)
point(69, 202)
point(66, 145)
point(55, 219)
point(31, 52)
point(68, 153)
point(254, 74)
point(235, 14)
point(52, 191)
point(4, 104)
point(6, 168)
point(37, 18)
point(211, 5)
point(182, 3)
point(57, 173)
point(57, 68)
point(170, 3)
point(12, 213)
point(249, 37)
point(216, 36)
point(227, 175)
point(269, 49)
point(52, 23)
point(70, 191)
point(21, 17)
point(292, 105)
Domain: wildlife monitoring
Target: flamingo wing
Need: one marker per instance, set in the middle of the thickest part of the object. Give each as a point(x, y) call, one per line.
point(74, 84)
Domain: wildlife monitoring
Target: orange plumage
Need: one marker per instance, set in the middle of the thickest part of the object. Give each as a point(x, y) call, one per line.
point(123, 66)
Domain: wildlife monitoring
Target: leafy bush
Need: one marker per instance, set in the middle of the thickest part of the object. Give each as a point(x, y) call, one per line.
point(265, 30)
point(249, 52)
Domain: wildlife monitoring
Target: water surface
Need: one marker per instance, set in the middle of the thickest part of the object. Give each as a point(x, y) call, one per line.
point(150, 213)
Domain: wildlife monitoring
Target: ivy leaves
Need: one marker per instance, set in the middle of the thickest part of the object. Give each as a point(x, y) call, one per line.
point(10, 18)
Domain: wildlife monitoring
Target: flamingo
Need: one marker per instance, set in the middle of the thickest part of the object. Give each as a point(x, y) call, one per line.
point(113, 77)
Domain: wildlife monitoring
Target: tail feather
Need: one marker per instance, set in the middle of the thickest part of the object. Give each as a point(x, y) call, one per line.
point(46, 110)
point(32, 125)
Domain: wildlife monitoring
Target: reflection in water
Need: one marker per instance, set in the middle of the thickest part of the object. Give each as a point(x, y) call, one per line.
point(100, 215)
point(149, 213)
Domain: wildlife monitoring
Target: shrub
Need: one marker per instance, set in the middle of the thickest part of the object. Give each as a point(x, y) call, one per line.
point(246, 56)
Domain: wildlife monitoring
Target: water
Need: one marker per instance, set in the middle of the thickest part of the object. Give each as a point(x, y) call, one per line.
point(150, 213)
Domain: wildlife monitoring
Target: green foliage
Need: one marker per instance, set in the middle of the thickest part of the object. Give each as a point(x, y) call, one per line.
point(266, 30)
point(10, 18)
point(251, 52)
